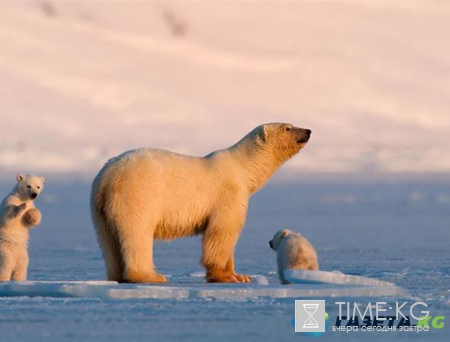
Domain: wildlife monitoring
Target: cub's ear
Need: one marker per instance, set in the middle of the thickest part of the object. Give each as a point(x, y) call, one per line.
point(19, 177)
point(42, 179)
point(284, 232)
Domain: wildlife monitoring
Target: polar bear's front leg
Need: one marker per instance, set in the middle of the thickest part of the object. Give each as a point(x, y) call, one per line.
point(32, 218)
point(15, 210)
point(219, 240)
point(241, 278)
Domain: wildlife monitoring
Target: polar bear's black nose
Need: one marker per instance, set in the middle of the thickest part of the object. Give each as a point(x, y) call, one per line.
point(303, 135)
point(33, 195)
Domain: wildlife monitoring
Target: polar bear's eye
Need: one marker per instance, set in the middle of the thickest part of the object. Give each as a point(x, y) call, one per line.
point(38, 187)
point(29, 186)
point(288, 129)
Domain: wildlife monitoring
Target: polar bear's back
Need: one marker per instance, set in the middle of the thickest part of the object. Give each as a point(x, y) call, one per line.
point(175, 190)
point(154, 160)
point(150, 165)
point(295, 252)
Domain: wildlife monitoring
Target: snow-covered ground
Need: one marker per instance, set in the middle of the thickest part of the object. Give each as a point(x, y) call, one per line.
point(85, 80)
point(392, 229)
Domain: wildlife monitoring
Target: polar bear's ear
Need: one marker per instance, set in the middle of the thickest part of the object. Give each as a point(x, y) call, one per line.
point(42, 179)
point(266, 129)
point(19, 177)
point(262, 133)
point(285, 232)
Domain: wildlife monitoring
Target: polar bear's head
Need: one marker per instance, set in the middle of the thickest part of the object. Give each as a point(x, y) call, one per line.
point(29, 187)
point(278, 237)
point(284, 139)
point(262, 151)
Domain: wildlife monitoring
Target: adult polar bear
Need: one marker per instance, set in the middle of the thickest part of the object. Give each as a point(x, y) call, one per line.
point(148, 194)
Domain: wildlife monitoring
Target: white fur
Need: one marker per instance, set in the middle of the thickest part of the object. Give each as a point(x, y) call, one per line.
point(294, 252)
point(17, 215)
point(148, 194)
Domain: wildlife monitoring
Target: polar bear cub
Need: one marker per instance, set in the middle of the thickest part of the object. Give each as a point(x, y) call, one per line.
point(17, 215)
point(293, 252)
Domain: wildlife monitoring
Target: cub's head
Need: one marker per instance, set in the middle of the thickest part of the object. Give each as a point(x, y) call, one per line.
point(284, 139)
point(29, 187)
point(278, 237)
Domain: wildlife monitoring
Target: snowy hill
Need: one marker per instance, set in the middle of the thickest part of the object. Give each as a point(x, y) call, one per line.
point(85, 80)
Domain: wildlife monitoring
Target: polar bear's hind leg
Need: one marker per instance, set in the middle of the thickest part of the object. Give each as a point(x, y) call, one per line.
point(137, 251)
point(21, 271)
point(111, 252)
point(6, 267)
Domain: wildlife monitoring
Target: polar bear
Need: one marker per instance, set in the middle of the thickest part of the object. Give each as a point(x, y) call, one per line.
point(148, 194)
point(294, 252)
point(17, 215)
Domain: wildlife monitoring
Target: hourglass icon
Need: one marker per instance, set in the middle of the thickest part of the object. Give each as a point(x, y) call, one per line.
point(310, 322)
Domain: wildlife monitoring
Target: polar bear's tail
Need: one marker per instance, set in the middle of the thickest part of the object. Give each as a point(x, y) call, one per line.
point(106, 236)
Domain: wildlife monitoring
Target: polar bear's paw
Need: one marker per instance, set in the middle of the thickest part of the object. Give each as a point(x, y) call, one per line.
point(32, 217)
point(133, 276)
point(228, 278)
point(243, 278)
point(225, 277)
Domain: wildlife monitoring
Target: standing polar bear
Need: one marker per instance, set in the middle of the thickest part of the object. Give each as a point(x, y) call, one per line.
point(17, 215)
point(148, 194)
point(294, 252)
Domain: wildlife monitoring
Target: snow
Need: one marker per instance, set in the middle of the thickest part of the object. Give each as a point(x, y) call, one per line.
point(336, 277)
point(259, 288)
point(369, 78)
point(393, 230)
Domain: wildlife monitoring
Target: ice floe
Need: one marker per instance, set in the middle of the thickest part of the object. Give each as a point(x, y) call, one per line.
point(259, 288)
